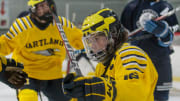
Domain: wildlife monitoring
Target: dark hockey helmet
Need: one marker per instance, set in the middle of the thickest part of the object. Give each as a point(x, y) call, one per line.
point(48, 16)
point(103, 22)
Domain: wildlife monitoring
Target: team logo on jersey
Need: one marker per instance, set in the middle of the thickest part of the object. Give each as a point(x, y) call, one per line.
point(146, 15)
point(44, 42)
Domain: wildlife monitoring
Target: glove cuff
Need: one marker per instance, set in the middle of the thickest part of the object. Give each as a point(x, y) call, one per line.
point(164, 33)
point(98, 89)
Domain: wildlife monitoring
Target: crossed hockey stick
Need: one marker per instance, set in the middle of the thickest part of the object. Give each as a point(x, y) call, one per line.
point(69, 50)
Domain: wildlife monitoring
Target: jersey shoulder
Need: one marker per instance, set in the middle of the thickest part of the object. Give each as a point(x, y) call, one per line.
point(130, 49)
point(18, 26)
point(164, 4)
point(132, 57)
point(65, 22)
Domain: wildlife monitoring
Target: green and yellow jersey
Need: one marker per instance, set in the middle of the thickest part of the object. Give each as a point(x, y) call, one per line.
point(133, 75)
point(41, 51)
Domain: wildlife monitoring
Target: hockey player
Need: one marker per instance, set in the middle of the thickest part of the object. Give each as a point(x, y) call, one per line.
point(11, 73)
point(35, 42)
point(124, 72)
point(157, 46)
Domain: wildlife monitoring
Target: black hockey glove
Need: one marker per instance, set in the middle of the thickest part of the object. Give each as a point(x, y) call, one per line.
point(12, 74)
point(85, 88)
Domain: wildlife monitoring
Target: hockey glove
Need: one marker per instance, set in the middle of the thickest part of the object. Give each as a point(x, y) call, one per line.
point(12, 74)
point(86, 88)
point(161, 30)
point(158, 28)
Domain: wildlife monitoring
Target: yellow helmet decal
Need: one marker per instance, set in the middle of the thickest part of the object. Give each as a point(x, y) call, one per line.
point(32, 3)
point(97, 22)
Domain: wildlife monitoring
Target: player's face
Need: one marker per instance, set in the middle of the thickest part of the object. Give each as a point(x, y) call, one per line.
point(97, 42)
point(42, 9)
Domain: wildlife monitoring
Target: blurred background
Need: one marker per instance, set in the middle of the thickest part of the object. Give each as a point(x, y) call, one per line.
point(74, 10)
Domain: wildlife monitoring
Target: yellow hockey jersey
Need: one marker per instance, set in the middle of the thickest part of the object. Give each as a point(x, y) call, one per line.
point(133, 75)
point(41, 51)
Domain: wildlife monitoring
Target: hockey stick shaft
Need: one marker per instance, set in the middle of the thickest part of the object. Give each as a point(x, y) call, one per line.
point(157, 19)
point(81, 53)
point(69, 49)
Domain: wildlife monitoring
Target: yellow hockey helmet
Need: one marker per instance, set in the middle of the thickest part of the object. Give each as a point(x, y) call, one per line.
point(99, 21)
point(32, 3)
point(103, 21)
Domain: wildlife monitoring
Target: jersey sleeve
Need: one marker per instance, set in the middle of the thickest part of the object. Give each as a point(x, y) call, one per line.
point(171, 20)
point(135, 75)
point(13, 38)
point(73, 34)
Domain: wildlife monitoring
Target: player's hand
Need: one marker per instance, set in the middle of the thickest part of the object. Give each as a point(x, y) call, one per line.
point(13, 74)
point(158, 28)
point(84, 88)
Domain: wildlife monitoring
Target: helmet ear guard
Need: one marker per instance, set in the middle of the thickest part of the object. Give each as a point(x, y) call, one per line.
point(121, 36)
point(118, 32)
point(52, 6)
point(32, 9)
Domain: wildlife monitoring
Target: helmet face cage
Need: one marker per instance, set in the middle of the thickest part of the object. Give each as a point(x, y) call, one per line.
point(95, 45)
point(32, 4)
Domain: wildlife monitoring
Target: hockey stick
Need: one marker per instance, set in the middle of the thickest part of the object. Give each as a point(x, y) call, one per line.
point(69, 50)
point(80, 54)
point(157, 19)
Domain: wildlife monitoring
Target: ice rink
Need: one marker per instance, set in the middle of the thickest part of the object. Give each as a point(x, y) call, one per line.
point(8, 94)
